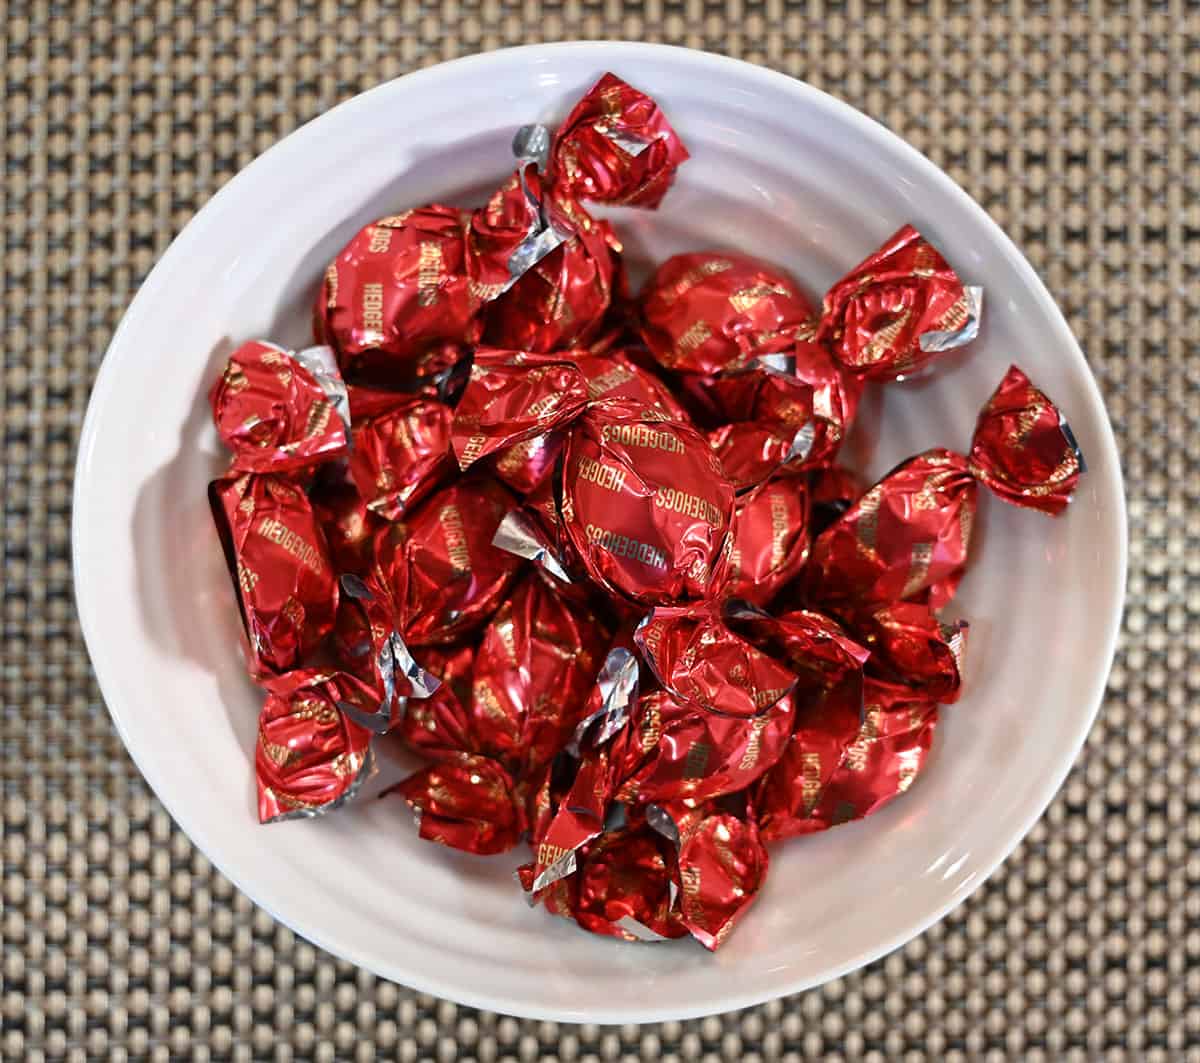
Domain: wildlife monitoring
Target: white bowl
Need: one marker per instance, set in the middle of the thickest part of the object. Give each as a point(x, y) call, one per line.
point(778, 169)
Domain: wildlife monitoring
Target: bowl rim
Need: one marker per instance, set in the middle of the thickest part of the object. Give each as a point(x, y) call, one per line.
point(611, 53)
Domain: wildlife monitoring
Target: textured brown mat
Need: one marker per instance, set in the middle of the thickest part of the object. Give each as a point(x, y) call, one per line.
point(1076, 125)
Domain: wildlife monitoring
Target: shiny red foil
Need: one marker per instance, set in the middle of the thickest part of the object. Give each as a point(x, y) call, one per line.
point(279, 562)
point(273, 413)
point(722, 866)
point(400, 456)
point(769, 541)
point(873, 319)
point(398, 292)
point(700, 660)
point(561, 301)
point(525, 466)
point(707, 311)
point(616, 146)
point(616, 375)
point(348, 526)
point(644, 503)
point(465, 802)
point(311, 756)
point(908, 537)
point(440, 567)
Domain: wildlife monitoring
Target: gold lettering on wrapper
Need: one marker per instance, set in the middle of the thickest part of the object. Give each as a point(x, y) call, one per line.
point(746, 299)
point(372, 306)
point(640, 435)
point(867, 524)
point(692, 277)
point(295, 544)
point(381, 239)
point(855, 758)
point(455, 532)
point(605, 476)
point(922, 555)
point(548, 854)
point(609, 380)
point(331, 286)
point(318, 419)
point(779, 529)
point(624, 546)
point(247, 577)
point(471, 450)
point(234, 379)
point(697, 334)
point(485, 697)
point(754, 744)
point(430, 266)
point(696, 761)
point(881, 343)
point(678, 501)
point(651, 729)
point(910, 764)
point(810, 781)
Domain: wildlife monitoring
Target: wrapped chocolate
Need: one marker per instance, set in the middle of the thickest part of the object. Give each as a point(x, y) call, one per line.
point(439, 566)
point(695, 655)
point(280, 411)
point(529, 679)
point(286, 588)
point(439, 726)
point(911, 647)
point(616, 146)
point(643, 502)
point(908, 536)
point(707, 311)
point(898, 309)
point(527, 465)
point(397, 301)
point(722, 866)
point(769, 541)
point(621, 886)
point(401, 455)
point(616, 375)
point(311, 755)
point(348, 525)
point(880, 761)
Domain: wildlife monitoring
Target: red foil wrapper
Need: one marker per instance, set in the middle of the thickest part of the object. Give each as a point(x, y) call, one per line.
point(398, 293)
point(525, 466)
point(311, 756)
point(533, 673)
point(561, 301)
point(881, 761)
point(286, 588)
point(466, 802)
point(401, 455)
point(622, 886)
point(708, 311)
point(439, 727)
point(440, 567)
point(616, 146)
point(644, 504)
point(348, 526)
point(280, 411)
point(618, 376)
point(769, 541)
point(907, 538)
point(512, 397)
point(828, 694)
point(898, 309)
point(722, 866)
point(673, 750)
point(912, 648)
point(700, 660)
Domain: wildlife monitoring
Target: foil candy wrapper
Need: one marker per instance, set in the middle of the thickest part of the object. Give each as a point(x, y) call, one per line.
point(286, 589)
point(769, 541)
point(705, 312)
point(439, 565)
point(898, 309)
point(617, 147)
point(281, 411)
point(401, 455)
point(398, 299)
point(529, 679)
point(311, 755)
point(908, 537)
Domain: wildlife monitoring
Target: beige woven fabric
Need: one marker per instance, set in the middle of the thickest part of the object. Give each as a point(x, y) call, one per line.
point(1076, 125)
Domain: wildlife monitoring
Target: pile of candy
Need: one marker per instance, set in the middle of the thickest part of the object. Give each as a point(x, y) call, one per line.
point(592, 556)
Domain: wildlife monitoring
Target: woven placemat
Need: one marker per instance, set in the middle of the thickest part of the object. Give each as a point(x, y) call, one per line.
point(1076, 125)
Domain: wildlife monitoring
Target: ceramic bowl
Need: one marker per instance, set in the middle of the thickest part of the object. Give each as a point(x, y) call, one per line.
point(779, 169)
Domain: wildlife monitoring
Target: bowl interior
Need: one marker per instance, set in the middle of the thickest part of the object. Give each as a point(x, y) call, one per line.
point(778, 170)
